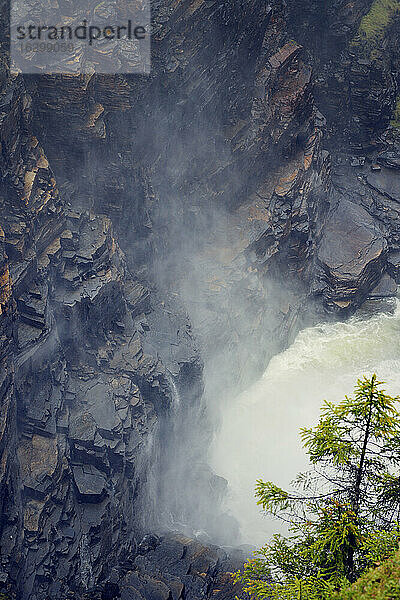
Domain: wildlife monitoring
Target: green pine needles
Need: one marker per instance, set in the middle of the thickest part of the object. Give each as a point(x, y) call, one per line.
point(344, 513)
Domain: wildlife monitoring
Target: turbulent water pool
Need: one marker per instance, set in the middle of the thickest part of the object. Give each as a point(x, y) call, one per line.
point(259, 434)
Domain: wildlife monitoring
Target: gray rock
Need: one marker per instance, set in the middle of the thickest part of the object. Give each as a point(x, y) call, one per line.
point(352, 255)
point(389, 159)
point(394, 265)
point(90, 483)
point(385, 182)
point(386, 288)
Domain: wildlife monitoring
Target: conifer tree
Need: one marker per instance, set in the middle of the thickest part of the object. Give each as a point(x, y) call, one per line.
point(343, 514)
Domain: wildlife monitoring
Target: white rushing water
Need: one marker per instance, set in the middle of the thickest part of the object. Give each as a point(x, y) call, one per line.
point(259, 435)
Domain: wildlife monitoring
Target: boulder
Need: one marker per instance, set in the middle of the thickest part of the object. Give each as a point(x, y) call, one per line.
point(352, 255)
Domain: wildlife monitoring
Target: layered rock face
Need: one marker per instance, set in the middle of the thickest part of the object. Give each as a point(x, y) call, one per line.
point(354, 52)
point(81, 391)
point(148, 226)
point(224, 140)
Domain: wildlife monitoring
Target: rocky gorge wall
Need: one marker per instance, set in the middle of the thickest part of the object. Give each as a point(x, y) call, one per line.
point(140, 219)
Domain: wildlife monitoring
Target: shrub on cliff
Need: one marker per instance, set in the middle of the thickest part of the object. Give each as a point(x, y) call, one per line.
point(343, 514)
point(374, 26)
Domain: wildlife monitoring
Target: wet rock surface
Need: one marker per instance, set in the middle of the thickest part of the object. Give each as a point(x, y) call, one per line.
point(81, 391)
point(352, 254)
point(179, 567)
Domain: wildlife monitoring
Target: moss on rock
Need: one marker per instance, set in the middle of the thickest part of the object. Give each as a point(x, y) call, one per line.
point(382, 583)
point(374, 24)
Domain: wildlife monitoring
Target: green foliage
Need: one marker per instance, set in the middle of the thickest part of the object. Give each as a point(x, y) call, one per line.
point(374, 25)
point(382, 583)
point(343, 514)
point(311, 588)
point(379, 545)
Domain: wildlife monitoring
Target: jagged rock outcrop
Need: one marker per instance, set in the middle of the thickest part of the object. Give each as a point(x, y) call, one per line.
point(352, 254)
point(247, 97)
point(173, 566)
point(243, 91)
point(81, 394)
point(355, 65)
point(354, 52)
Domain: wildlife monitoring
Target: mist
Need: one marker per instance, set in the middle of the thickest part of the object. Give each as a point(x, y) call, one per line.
point(259, 434)
point(256, 395)
point(202, 258)
point(197, 245)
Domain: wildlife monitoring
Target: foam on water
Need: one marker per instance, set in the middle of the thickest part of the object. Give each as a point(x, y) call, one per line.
point(259, 435)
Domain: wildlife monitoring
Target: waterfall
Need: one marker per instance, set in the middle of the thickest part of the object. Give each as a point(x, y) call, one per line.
point(175, 395)
point(259, 434)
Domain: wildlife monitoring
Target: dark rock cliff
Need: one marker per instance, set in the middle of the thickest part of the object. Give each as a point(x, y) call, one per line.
point(250, 178)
